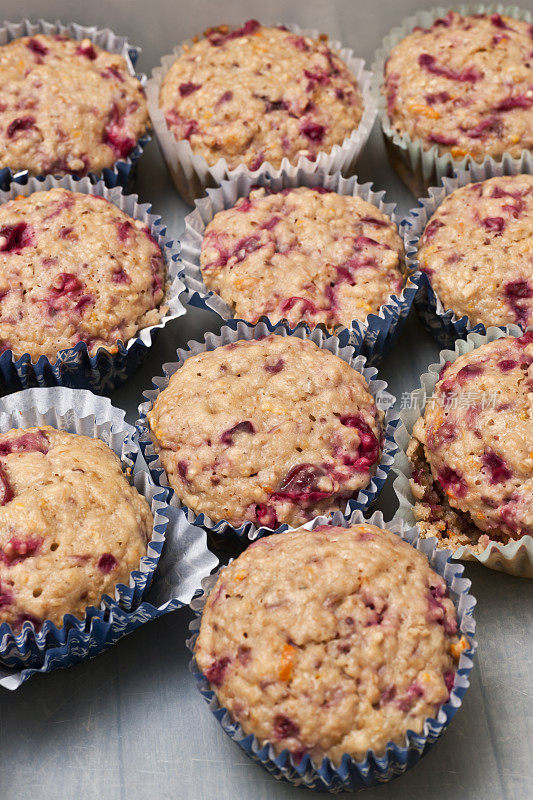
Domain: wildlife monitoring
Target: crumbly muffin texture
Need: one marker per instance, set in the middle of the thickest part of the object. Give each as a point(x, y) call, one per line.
point(258, 94)
point(477, 251)
point(330, 641)
point(472, 450)
point(71, 526)
point(303, 254)
point(67, 106)
point(465, 84)
point(267, 431)
point(74, 268)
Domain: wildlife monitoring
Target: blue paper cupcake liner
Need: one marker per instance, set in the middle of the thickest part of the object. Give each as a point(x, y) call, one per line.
point(353, 775)
point(373, 337)
point(122, 169)
point(232, 332)
point(515, 557)
point(442, 323)
point(74, 367)
point(83, 413)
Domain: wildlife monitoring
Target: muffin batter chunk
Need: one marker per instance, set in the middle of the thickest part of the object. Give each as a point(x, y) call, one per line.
point(67, 106)
point(268, 431)
point(330, 641)
point(477, 251)
point(257, 94)
point(74, 268)
point(472, 450)
point(71, 526)
point(303, 254)
point(465, 84)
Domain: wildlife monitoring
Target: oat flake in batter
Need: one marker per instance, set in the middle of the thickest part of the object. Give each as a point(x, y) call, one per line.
point(303, 254)
point(258, 94)
point(74, 268)
point(71, 526)
point(330, 641)
point(465, 84)
point(268, 431)
point(67, 106)
point(472, 450)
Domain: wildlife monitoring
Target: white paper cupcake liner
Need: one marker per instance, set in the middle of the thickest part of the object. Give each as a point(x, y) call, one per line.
point(121, 170)
point(233, 331)
point(442, 323)
point(373, 337)
point(420, 168)
point(398, 758)
point(192, 174)
point(74, 367)
point(515, 558)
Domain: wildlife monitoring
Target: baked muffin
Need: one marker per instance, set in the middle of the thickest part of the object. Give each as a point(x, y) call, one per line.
point(472, 450)
point(71, 526)
point(331, 641)
point(465, 84)
point(477, 251)
point(74, 268)
point(267, 431)
point(258, 94)
point(303, 254)
point(67, 106)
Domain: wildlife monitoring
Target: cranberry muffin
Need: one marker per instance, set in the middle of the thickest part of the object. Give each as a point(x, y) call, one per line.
point(257, 94)
point(465, 85)
point(303, 254)
point(331, 641)
point(472, 450)
point(74, 268)
point(267, 431)
point(71, 526)
point(68, 107)
point(477, 251)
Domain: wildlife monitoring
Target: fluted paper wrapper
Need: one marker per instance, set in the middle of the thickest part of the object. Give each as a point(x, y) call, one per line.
point(442, 323)
point(107, 369)
point(515, 558)
point(122, 169)
point(373, 337)
point(398, 758)
point(420, 168)
point(192, 174)
point(185, 561)
point(232, 332)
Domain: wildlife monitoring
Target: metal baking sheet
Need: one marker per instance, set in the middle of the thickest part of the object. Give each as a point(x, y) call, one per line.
point(130, 725)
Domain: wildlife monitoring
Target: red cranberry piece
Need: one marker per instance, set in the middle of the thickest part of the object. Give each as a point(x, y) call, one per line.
point(84, 301)
point(266, 516)
point(446, 141)
point(256, 163)
point(469, 371)
point(313, 130)
point(275, 105)
point(224, 98)
point(450, 480)
point(432, 229)
point(507, 364)
point(388, 694)
point(121, 143)
point(107, 562)
point(443, 369)
point(270, 224)
point(37, 47)
point(17, 549)
point(66, 283)
point(300, 43)
point(437, 97)
point(526, 339)
point(215, 673)
point(87, 50)
point(307, 306)
point(494, 224)
point(519, 289)
point(275, 368)
point(20, 124)
point(188, 88)
point(241, 427)
point(6, 596)
point(120, 277)
point(449, 679)
point(516, 101)
point(216, 38)
point(124, 230)
point(373, 221)
point(285, 728)
point(183, 469)
point(6, 492)
point(496, 467)
point(468, 74)
point(368, 452)
point(22, 618)
point(498, 22)
point(29, 442)
point(301, 484)
point(112, 72)
point(317, 76)
point(16, 237)
point(413, 692)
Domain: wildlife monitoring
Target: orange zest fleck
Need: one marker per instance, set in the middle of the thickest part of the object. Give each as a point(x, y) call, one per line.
point(456, 648)
point(425, 111)
point(287, 657)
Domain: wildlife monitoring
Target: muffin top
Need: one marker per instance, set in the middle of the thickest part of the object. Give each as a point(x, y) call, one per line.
point(303, 254)
point(477, 436)
point(67, 106)
point(477, 250)
point(329, 641)
point(268, 431)
point(71, 526)
point(465, 84)
point(259, 94)
point(74, 268)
